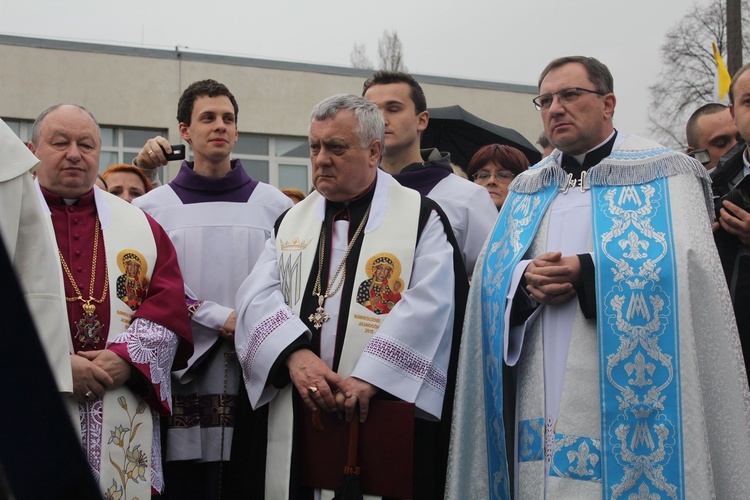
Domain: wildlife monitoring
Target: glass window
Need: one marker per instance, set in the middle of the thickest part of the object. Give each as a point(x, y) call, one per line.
point(15, 126)
point(136, 138)
point(257, 169)
point(292, 148)
point(109, 136)
point(293, 176)
point(107, 158)
point(121, 145)
point(128, 157)
point(22, 128)
point(251, 145)
point(279, 161)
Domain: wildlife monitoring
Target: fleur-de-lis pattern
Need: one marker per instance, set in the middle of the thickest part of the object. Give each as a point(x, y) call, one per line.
point(517, 223)
point(639, 342)
point(573, 457)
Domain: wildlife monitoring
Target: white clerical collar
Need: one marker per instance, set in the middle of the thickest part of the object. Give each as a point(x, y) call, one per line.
point(581, 157)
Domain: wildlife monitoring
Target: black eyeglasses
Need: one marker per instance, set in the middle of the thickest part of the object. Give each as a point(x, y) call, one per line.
point(484, 176)
point(565, 96)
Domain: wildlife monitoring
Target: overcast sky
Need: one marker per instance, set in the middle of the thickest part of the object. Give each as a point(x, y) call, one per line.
point(495, 40)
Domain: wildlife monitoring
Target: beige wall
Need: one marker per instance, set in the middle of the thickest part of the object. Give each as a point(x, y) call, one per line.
point(140, 87)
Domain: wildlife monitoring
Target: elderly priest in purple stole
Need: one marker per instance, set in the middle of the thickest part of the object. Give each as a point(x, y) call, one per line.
point(351, 305)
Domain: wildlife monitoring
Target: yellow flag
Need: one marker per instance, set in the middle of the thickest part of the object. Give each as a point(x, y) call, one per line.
point(722, 73)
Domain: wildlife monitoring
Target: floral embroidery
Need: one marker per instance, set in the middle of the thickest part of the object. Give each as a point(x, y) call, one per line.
point(133, 462)
point(113, 492)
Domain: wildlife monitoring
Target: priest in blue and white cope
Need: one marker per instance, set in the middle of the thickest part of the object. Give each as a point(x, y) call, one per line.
point(600, 285)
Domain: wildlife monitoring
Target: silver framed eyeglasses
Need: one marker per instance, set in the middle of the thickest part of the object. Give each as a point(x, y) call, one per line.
point(564, 96)
point(483, 176)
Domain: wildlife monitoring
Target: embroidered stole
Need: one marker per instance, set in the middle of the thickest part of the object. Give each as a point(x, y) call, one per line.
point(639, 362)
point(641, 431)
point(127, 428)
point(390, 234)
point(516, 226)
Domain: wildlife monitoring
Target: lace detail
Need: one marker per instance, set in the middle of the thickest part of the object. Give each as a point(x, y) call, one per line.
point(406, 361)
point(151, 344)
point(91, 433)
point(258, 335)
point(157, 479)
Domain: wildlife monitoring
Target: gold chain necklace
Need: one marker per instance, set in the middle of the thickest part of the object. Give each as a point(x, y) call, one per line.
point(88, 328)
point(320, 317)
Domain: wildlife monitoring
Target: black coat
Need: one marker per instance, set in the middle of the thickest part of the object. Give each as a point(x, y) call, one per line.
point(735, 257)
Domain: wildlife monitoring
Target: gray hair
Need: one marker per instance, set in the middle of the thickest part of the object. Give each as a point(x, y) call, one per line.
point(36, 132)
point(371, 125)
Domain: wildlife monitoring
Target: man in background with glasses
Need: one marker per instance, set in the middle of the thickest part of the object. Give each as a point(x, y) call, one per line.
point(604, 291)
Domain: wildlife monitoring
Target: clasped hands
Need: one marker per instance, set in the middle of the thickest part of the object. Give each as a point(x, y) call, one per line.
point(551, 278)
point(95, 372)
point(323, 389)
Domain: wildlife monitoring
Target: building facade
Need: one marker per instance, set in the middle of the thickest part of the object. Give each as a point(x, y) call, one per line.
point(133, 92)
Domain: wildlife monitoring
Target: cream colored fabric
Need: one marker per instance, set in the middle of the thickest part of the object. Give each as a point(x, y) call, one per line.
point(32, 253)
point(715, 396)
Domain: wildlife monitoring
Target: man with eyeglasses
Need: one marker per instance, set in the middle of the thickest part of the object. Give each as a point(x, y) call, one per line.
point(469, 208)
point(602, 288)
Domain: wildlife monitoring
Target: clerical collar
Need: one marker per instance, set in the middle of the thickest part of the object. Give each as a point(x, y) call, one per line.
point(235, 186)
point(577, 166)
point(594, 156)
point(342, 210)
point(54, 199)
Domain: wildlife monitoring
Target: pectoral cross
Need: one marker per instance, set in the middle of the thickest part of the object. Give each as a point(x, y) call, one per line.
point(320, 316)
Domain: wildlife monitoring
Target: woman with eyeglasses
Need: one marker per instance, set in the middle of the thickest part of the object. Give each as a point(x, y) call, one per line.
point(494, 166)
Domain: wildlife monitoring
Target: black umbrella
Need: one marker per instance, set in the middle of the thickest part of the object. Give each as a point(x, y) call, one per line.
point(455, 130)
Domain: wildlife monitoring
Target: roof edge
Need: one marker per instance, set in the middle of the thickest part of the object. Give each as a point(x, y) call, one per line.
point(125, 50)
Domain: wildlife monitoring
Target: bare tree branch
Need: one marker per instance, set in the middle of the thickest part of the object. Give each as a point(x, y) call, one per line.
point(359, 58)
point(687, 80)
point(390, 52)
